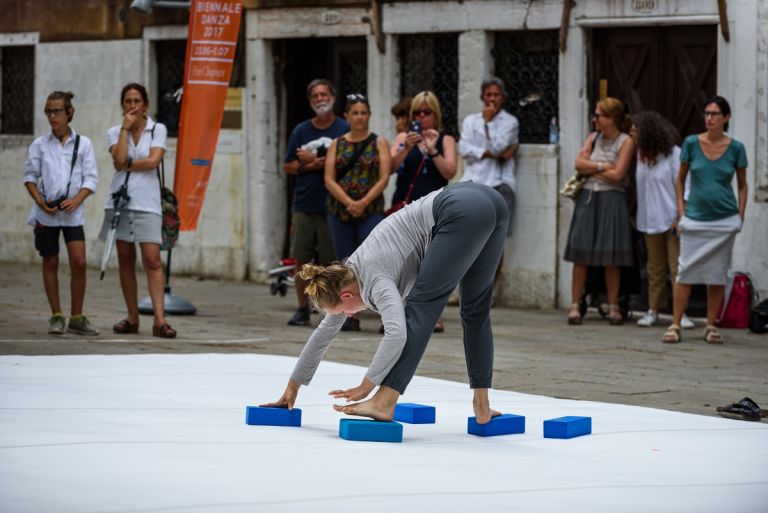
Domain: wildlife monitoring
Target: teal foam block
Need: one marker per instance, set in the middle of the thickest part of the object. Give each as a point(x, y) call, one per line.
point(567, 427)
point(506, 424)
point(264, 416)
point(413, 413)
point(370, 430)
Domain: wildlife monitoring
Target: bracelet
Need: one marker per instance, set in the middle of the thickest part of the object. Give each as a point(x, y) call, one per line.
point(599, 167)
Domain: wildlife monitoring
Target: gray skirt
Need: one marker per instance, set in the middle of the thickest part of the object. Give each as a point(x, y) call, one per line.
point(600, 233)
point(705, 250)
point(134, 226)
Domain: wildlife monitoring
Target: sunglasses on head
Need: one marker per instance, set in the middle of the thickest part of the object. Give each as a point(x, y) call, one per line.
point(356, 97)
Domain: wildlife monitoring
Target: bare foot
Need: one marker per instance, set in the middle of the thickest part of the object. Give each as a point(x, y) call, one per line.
point(483, 411)
point(369, 408)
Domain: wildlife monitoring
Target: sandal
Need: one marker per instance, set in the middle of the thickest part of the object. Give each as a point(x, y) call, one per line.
point(712, 336)
point(746, 409)
point(575, 319)
point(125, 326)
point(163, 331)
point(672, 335)
point(614, 315)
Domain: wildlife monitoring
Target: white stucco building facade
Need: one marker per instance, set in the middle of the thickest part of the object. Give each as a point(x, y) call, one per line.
point(242, 225)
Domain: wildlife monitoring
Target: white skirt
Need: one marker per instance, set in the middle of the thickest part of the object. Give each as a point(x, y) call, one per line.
point(705, 250)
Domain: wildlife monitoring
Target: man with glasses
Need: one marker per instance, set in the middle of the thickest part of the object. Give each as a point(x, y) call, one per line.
point(489, 140)
point(305, 158)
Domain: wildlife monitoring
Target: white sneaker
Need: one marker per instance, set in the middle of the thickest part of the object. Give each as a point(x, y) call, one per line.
point(686, 323)
point(649, 319)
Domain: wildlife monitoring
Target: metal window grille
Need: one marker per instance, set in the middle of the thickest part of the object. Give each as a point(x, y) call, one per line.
point(527, 62)
point(431, 63)
point(18, 79)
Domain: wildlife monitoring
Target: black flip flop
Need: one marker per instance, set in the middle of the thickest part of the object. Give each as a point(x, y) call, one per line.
point(746, 409)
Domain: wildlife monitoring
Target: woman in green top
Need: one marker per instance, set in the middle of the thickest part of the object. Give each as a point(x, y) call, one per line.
point(708, 223)
point(355, 177)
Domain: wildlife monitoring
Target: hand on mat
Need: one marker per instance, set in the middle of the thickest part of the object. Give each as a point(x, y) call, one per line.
point(288, 398)
point(354, 394)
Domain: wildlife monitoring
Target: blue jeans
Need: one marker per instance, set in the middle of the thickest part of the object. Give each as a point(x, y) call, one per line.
point(348, 235)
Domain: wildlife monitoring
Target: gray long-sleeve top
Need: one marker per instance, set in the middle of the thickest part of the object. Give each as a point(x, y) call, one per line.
point(386, 265)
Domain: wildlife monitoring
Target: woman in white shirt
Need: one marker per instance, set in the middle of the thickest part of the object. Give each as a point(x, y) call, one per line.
point(59, 174)
point(658, 161)
point(137, 146)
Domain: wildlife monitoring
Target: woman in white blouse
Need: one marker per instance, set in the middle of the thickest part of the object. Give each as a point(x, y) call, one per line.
point(658, 161)
point(137, 146)
point(59, 174)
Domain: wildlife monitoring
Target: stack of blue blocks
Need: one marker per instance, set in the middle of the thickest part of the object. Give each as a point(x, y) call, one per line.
point(263, 416)
point(567, 427)
point(413, 413)
point(506, 424)
point(370, 430)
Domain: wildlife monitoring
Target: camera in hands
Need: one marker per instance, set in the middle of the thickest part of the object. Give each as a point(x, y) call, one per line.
point(55, 203)
point(416, 126)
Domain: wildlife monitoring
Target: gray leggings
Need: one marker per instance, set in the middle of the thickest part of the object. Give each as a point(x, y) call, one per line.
point(467, 242)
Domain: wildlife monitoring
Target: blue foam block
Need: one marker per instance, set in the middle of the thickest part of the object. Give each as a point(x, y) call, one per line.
point(413, 413)
point(506, 424)
point(370, 430)
point(262, 416)
point(567, 427)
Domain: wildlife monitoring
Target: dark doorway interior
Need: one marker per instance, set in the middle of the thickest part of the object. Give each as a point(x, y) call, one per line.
point(672, 70)
point(343, 61)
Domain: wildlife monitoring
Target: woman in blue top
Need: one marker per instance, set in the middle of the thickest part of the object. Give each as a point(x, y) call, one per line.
point(708, 223)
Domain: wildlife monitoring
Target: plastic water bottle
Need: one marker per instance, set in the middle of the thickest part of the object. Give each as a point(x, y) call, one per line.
point(554, 134)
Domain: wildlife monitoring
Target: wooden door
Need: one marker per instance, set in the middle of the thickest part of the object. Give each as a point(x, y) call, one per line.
point(672, 70)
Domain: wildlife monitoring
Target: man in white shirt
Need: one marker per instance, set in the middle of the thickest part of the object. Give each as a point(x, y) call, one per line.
point(488, 143)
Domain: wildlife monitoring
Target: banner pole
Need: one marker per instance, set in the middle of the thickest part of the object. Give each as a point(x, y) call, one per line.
point(174, 305)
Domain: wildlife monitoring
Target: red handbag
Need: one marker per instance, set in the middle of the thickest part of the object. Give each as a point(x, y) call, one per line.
point(400, 204)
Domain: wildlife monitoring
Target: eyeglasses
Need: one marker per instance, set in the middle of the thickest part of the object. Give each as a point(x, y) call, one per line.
point(422, 112)
point(53, 112)
point(356, 97)
point(712, 114)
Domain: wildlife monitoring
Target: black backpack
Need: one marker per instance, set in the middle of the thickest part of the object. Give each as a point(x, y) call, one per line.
point(758, 318)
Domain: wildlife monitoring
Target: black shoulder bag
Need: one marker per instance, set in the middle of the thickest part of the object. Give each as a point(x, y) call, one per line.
point(355, 156)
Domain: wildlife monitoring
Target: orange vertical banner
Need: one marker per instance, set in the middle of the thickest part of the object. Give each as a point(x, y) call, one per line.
point(211, 45)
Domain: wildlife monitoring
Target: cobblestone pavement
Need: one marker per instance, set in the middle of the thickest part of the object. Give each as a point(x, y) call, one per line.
point(537, 352)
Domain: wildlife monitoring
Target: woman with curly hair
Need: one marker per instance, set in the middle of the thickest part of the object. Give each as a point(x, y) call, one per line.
point(454, 236)
point(658, 160)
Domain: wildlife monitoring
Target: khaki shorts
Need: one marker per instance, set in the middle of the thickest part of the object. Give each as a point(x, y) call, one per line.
point(311, 239)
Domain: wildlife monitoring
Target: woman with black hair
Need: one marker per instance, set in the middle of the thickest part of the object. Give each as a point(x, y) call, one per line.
point(712, 216)
point(355, 177)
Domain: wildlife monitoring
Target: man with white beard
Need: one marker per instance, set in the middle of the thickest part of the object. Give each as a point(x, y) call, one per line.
point(305, 158)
